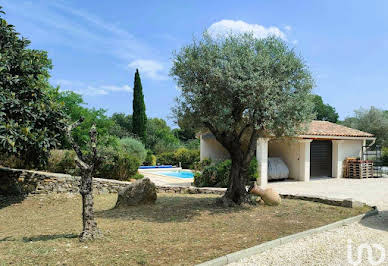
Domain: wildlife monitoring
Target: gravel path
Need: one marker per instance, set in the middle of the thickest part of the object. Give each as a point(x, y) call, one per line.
point(330, 247)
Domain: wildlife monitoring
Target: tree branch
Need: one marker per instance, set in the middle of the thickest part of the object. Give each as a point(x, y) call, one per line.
point(250, 152)
point(80, 160)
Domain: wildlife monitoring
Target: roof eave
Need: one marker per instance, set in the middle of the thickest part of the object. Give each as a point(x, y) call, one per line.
point(336, 137)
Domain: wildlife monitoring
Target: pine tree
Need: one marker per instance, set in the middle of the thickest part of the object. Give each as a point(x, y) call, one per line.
point(139, 118)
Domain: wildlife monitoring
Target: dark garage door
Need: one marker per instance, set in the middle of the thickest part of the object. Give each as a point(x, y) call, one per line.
point(320, 158)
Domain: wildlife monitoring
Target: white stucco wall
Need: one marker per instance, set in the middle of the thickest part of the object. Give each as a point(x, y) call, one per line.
point(289, 151)
point(343, 149)
point(210, 148)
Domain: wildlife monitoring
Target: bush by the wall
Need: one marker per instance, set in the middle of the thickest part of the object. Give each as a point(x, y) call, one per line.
point(186, 157)
point(117, 165)
point(134, 148)
point(150, 159)
point(62, 161)
point(11, 161)
point(217, 175)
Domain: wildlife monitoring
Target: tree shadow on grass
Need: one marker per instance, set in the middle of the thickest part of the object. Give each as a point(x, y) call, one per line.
point(6, 201)
point(170, 209)
point(379, 221)
point(39, 238)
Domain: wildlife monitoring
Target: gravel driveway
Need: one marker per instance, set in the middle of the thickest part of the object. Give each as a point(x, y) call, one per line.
point(330, 247)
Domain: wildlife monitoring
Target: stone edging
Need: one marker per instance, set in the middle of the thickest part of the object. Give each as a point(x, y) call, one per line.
point(347, 203)
point(238, 255)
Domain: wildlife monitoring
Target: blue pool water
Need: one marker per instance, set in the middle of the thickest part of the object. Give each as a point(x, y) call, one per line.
point(178, 174)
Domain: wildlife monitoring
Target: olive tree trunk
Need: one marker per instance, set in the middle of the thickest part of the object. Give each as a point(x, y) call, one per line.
point(90, 230)
point(236, 192)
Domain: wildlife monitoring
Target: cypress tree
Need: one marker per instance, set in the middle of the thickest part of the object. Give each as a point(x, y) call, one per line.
point(139, 118)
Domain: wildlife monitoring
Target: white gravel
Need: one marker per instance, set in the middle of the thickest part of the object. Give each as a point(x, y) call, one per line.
point(330, 247)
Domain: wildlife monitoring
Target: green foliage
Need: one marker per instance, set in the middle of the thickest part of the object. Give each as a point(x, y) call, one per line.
point(150, 159)
point(385, 156)
point(31, 123)
point(217, 175)
point(74, 107)
point(324, 112)
point(200, 166)
point(187, 158)
point(116, 164)
point(139, 118)
point(373, 121)
point(122, 125)
point(159, 137)
point(138, 176)
point(230, 83)
point(62, 161)
point(134, 148)
point(241, 88)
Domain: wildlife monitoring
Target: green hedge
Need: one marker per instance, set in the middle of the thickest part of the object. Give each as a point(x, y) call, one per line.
point(187, 158)
point(217, 175)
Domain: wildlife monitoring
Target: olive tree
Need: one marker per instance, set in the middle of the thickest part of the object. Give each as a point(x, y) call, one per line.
point(241, 88)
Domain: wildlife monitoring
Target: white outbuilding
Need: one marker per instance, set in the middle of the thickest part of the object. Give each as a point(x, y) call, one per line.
point(319, 152)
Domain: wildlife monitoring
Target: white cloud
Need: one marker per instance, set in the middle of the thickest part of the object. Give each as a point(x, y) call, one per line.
point(90, 90)
point(150, 68)
point(226, 26)
point(295, 42)
point(58, 22)
point(288, 28)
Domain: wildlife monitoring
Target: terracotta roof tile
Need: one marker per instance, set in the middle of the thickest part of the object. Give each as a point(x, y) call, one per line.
point(325, 128)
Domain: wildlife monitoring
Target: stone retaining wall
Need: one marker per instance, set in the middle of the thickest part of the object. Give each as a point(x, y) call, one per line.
point(22, 182)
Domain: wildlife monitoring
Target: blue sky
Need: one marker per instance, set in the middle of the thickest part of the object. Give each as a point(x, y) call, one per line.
point(96, 45)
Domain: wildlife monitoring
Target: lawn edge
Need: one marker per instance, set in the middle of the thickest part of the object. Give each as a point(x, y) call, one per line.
point(238, 255)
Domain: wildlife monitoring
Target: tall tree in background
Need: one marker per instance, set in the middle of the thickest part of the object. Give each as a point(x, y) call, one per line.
point(31, 123)
point(241, 88)
point(139, 118)
point(374, 121)
point(324, 112)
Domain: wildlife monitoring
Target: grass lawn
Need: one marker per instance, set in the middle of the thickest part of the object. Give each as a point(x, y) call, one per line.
point(179, 229)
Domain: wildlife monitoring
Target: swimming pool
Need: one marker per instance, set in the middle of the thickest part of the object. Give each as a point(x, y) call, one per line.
point(179, 174)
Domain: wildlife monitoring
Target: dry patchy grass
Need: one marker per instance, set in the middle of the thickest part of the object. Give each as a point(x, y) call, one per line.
point(178, 229)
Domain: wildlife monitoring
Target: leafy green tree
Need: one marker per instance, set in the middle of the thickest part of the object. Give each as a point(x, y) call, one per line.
point(324, 112)
point(123, 125)
point(159, 137)
point(74, 107)
point(241, 88)
point(139, 118)
point(374, 121)
point(31, 124)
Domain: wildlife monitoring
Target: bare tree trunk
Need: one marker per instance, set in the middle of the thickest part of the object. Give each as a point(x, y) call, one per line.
point(90, 230)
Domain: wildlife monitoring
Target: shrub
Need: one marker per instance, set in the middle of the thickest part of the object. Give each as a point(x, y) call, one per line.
point(217, 175)
point(200, 166)
point(134, 148)
point(187, 158)
point(166, 158)
point(116, 164)
point(138, 176)
point(385, 156)
point(150, 159)
point(11, 161)
point(62, 161)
